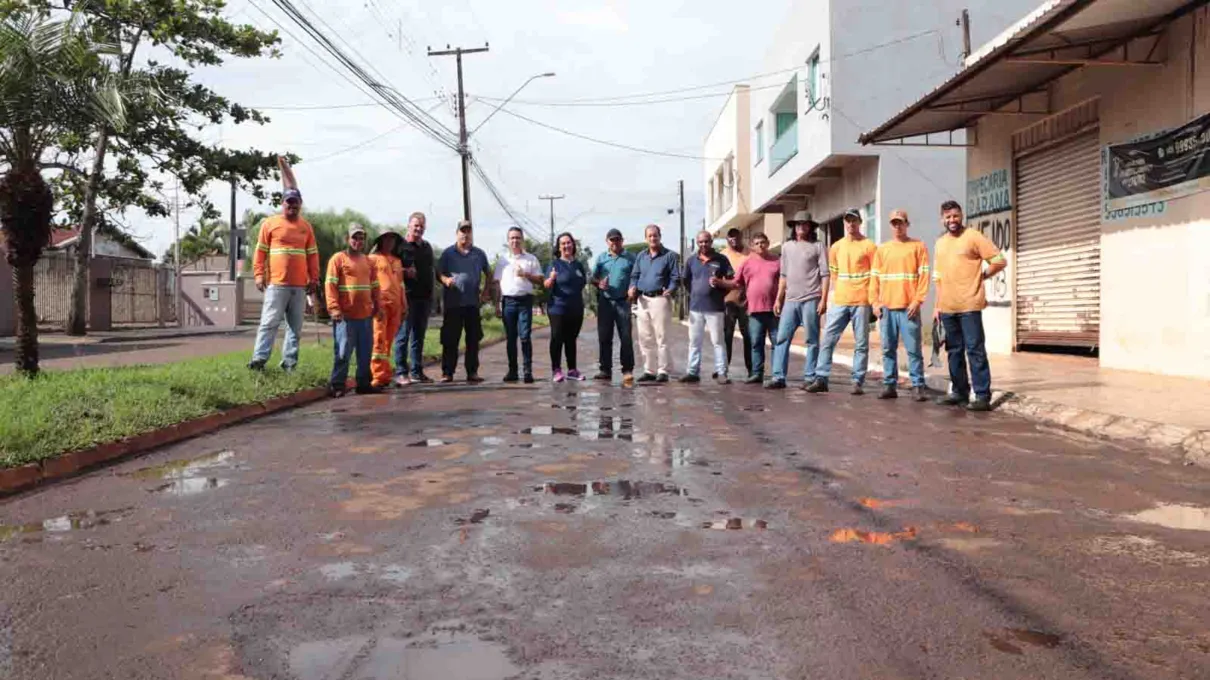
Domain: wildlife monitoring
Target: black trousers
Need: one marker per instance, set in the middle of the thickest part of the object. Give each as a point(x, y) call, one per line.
point(564, 329)
point(738, 314)
point(453, 323)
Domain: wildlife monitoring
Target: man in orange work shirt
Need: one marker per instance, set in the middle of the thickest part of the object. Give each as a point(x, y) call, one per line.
point(392, 303)
point(351, 291)
point(850, 260)
point(959, 275)
point(286, 266)
point(899, 285)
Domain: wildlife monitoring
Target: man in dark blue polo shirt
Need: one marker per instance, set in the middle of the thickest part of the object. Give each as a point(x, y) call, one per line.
point(703, 274)
point(611, 276)
point(653, 281)
point(462, 268)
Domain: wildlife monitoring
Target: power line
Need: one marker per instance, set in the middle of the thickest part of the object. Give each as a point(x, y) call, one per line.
point(652, 152)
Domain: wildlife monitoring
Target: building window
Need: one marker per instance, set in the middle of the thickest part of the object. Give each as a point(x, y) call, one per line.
point(871, 221)
point(760, 142)
point(813, 89)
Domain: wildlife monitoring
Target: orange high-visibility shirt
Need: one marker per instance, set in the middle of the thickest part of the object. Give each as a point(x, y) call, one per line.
point(959, 270)
point(388, 270)
point(850, 262)
point(286, 254)
point(900, 275)
point(351, 288)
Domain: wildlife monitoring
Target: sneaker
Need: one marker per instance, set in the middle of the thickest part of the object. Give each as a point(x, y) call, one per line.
point(979, 406)
point(473, 378)
point(558, 377)
point(256, 366)
point(889, 392)
point(402, 381)
point(422, 378)
point(919, 394)
point(689, 378)
point(372, 389)
point(662, 378)
point(573, 374)
point(722, 379)
point(603, 376)
point(647, 378)
point(627, 380)
point(510, 378)
point(950, 400)
point(528, 379)
point(446, 379)
point(857, 390)
point(775, 385)
point(754, 379)
point(818, 387)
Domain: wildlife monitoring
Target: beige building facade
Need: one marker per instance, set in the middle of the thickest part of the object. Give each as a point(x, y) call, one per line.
point(1085, 168)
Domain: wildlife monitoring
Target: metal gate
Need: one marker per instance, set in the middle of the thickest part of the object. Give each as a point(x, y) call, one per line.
point(1059, 244)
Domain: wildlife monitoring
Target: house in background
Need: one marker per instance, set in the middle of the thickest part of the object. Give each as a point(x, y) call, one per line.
point(107, 241)
point(728, 167)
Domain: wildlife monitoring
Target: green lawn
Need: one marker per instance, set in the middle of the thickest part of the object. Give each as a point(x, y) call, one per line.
point(63, 411)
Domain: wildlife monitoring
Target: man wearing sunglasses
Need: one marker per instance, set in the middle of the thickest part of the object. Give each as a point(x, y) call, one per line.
point(285, 266)
point(611, 276)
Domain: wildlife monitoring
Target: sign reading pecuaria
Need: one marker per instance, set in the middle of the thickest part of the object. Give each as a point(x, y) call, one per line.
point(1159, 168)
point(988, 194)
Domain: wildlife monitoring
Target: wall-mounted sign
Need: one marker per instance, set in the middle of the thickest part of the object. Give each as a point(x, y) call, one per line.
point(988, 194)
point(1158, 168)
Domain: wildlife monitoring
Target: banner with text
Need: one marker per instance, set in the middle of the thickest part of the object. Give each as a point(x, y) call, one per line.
point(1169, 165)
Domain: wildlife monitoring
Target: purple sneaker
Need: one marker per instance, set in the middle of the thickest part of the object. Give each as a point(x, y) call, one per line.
point(558, 376)
point(574, 374)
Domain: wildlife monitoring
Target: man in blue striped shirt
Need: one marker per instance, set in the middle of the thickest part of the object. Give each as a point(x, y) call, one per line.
point(653, 281)
point(611, 276)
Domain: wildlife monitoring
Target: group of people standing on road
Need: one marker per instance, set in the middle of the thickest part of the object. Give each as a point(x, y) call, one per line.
point(380, 298)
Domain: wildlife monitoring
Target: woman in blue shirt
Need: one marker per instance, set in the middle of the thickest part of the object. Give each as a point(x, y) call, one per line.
point(565, 280)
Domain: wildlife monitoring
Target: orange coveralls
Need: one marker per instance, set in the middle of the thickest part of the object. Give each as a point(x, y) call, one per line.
point(392, 308)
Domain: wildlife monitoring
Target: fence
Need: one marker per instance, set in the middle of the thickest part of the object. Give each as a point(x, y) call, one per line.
point(141, 292)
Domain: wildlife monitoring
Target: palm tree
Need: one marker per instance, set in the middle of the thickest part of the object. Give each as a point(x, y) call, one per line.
point(50, 77)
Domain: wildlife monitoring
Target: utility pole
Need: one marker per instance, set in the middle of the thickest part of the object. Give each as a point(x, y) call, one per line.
point(552, 199)
point(233, 237)
point(176, 255)
point(965, 23)
point(463, 149)
point(680, 187)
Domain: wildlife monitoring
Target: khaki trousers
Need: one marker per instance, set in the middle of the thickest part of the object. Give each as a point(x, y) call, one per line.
point(655, 323)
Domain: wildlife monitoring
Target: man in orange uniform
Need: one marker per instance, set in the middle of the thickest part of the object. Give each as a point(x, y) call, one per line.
point(392, 303)
point(286, 266)
point(850, 260)
point(351, 290)
point(899, 286)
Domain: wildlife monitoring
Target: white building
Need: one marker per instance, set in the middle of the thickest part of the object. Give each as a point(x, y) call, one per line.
point(832, 70)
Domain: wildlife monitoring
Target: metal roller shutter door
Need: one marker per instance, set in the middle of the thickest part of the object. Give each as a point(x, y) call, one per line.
point(1059, 244)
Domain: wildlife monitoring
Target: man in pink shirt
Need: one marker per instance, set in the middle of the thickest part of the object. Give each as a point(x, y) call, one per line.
point(759, 276)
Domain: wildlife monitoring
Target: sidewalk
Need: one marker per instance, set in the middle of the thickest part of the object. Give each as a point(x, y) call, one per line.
point(1077, 393)
point(141, 334)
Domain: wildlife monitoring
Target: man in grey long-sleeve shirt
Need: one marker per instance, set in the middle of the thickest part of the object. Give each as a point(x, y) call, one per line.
point(802, 297)
point(654, 279)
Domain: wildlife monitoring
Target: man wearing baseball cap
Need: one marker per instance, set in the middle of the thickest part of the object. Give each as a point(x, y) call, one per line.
point(611, 276)
point(899, 285)
point(285, 267)
point(850, 260)
point(351, 292)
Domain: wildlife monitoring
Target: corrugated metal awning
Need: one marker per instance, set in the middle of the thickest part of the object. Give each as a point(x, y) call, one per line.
point(1056, 38)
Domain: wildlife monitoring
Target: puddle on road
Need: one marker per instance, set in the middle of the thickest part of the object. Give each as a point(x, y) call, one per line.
point(429, 442)
point(435, 657)
point(75, 521)
point(1187, 517)
point(735, 524)
point(872, 537)
point(623, 488)
point(185, 468)
point(605, 427)
point(476, 517)
point(190, 486)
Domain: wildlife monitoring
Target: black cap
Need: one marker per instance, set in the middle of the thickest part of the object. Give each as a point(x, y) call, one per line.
point(613, 233)
point(853, 213)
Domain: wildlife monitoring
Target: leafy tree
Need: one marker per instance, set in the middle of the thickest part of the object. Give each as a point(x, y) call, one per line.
point(106, 168)
point(52, 78)
point(204, 239)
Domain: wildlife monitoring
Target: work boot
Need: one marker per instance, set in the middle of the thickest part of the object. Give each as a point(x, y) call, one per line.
point(950, 400)
point(889, 392)
point(754, 379)
point(647, 378)
point(857, 390)
point(919, 394)
point(256, 366)
point(336, 391)
point(604, 376)
point(371, 389)
point(820, 385)
point(979, 406)
point(775, 384)
point(510, 377)
point(446, 378)
point(473, 378)
point(689, 378)
point(528, 379)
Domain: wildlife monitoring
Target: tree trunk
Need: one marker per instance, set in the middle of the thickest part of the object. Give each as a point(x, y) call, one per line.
point(27, 319)
point(77, 316)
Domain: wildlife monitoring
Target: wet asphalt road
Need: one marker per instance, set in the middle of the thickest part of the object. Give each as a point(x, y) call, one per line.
point(589, 531)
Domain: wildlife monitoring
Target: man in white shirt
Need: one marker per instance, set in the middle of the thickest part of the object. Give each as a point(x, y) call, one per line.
point(516, 273)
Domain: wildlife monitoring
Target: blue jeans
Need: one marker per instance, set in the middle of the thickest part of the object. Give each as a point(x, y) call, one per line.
point(793, 315)
point(964, 339)
point(518, 324)
point(409, 341)
point(894, 323)
point(289, 302)
point(761, 325)
point(614, 315)
point(352, 335)
point(839, 317)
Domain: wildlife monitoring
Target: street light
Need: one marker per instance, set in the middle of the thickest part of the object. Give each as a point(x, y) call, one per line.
point(510, 98)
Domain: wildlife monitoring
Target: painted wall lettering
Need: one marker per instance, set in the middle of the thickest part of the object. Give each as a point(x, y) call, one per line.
point(989, 194)
point(998, 229)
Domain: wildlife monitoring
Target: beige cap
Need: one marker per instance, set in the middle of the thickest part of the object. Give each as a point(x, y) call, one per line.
point(900, 215)
point(355, 228)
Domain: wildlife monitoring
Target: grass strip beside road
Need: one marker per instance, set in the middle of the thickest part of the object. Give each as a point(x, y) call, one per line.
point(63, 411)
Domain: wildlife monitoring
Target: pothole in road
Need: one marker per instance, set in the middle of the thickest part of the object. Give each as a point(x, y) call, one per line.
point(736, 524)
point(1187, 517)
point(605, 427)
point(179, 469)
point(622, 488)
point(435, 657)
point(476, 517)
point(1002, 641)
point(429, 442)
point(189, 486)
point(75, 521)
